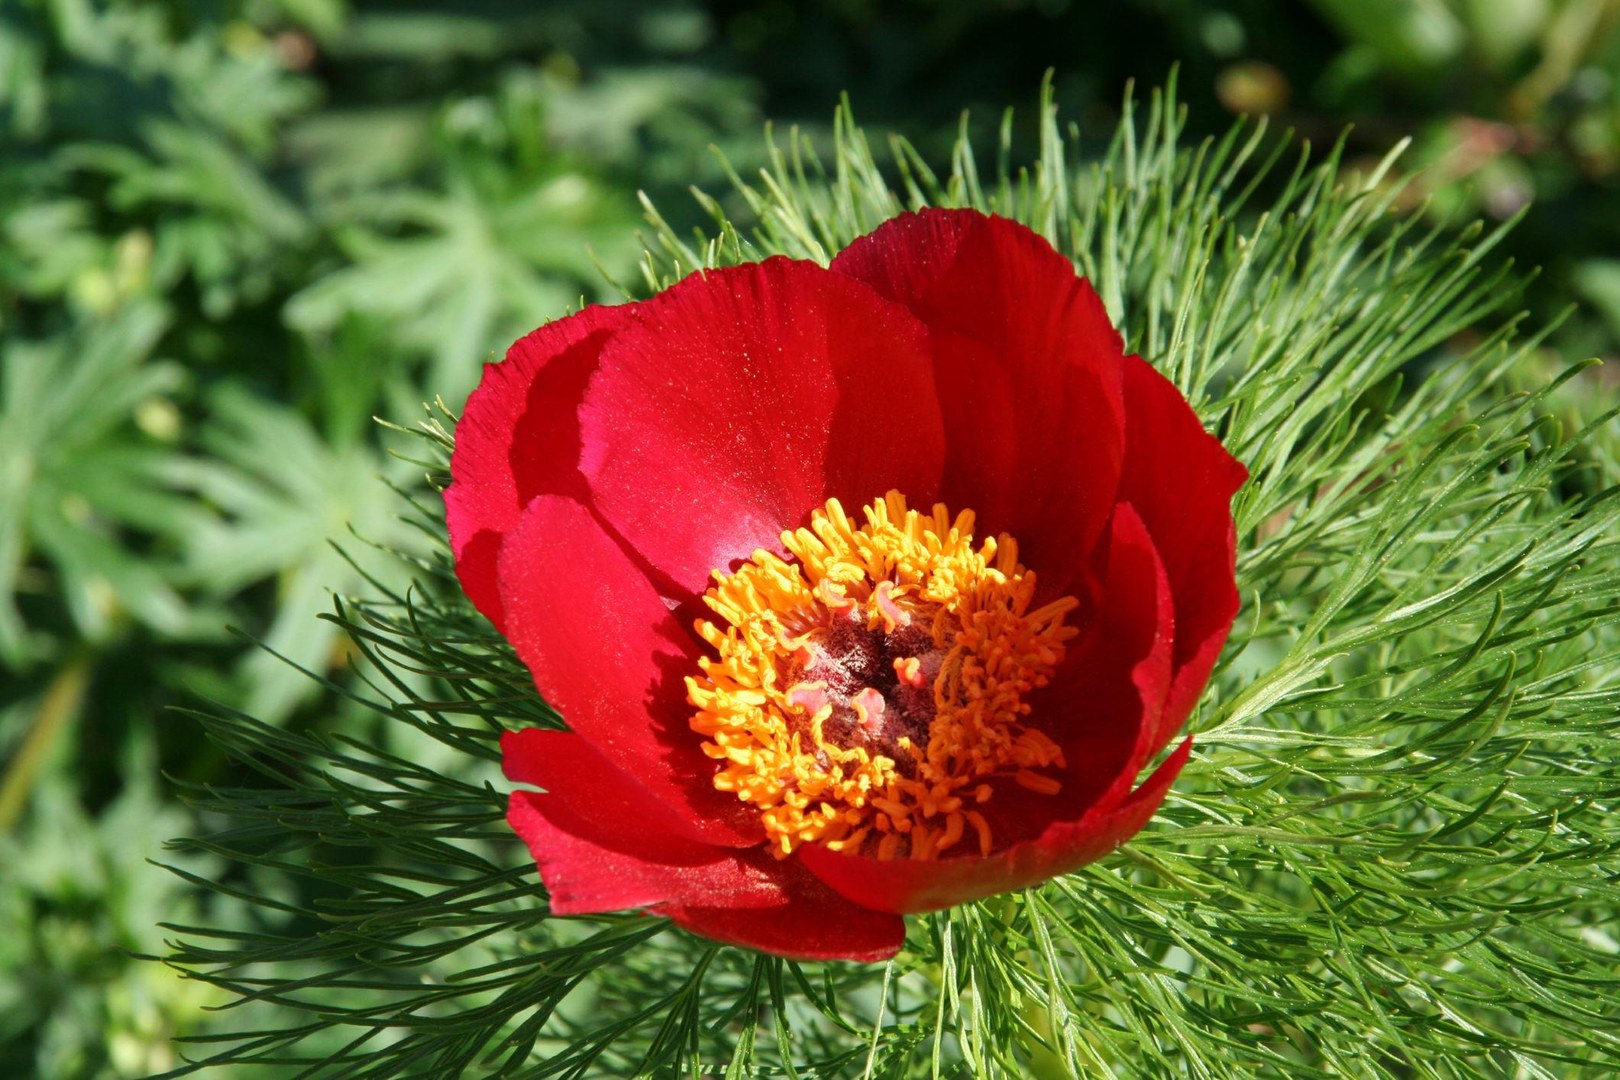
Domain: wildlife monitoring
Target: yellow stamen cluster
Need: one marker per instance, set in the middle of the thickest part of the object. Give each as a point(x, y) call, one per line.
point(868, 689)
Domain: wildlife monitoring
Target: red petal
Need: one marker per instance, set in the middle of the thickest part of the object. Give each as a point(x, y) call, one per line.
point(813, 923)
point(603, 843)
point(1027, 366)
point(905, 885)
point(746, 397)
point(582, 876)
point(1181, 480)
point(1105, 706)
point(518, 438)
point(598, 799)
point(607, 654)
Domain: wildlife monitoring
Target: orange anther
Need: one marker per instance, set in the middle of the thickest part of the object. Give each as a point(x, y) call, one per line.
point(954, 824)
point(981, 827)
point(1043, 785)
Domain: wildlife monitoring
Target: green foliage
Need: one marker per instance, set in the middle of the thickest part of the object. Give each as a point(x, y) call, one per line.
point(1510, 101)
point(75, 468)
point(457, 274)
point(79, 895)
point(281, 495)
point(1390, 856)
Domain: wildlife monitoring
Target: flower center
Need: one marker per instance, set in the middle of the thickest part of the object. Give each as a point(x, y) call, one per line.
point(868, 689)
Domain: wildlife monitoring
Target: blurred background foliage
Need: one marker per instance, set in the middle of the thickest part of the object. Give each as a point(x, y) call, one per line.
point(231, 233)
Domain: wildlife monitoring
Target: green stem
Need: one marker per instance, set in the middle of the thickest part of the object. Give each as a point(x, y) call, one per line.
point(877, 1022)
point(57, 710)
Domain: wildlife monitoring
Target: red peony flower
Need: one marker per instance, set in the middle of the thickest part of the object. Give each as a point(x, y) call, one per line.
point(864, 590)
